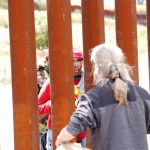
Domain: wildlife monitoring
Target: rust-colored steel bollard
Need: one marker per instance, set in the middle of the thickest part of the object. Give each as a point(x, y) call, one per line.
point(24, 79)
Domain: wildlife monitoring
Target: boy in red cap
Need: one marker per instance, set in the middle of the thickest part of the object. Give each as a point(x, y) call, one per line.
point(44, 97)
point(79, 86)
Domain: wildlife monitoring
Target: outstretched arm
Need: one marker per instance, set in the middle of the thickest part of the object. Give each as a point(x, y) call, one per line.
point(81, 119)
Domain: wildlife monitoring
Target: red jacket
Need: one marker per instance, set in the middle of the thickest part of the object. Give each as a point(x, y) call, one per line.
point(44, 106)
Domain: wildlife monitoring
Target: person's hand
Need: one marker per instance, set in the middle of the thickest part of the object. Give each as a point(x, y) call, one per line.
point(63, 137)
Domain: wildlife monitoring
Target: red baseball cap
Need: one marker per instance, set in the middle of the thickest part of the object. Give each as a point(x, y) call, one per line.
point(77, 54)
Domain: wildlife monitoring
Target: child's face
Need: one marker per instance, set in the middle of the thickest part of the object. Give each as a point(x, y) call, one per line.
point(77, 66)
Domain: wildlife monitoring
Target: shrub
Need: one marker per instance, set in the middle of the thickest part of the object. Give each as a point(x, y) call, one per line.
point(42, 38)
point(3, 5)
point(41, 30)
point(4, 18)
point(40, 6)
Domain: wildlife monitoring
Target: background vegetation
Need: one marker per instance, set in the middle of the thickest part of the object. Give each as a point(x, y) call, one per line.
point(42, 35)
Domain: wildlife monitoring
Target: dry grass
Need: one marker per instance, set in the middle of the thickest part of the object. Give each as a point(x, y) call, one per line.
point(77, 40)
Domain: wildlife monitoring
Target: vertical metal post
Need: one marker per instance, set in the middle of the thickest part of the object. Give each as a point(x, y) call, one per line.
point(24, 82)
point(93, 32)
point(148, 34)
point(61, 63)
point(126, 31)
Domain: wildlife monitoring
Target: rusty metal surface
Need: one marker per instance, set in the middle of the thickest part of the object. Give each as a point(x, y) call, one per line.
point(126, 32)
point(23, 58)
point(24, 82)
point(61, 63)
point(93, 32)
point(148, 34)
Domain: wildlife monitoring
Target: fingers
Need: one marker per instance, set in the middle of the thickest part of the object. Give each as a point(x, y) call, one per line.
point(63, 137)
point(60, 142)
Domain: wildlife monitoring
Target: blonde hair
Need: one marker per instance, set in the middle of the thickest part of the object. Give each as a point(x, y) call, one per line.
point(109, 65)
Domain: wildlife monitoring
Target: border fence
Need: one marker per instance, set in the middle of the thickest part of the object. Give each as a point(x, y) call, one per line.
point(23, 58)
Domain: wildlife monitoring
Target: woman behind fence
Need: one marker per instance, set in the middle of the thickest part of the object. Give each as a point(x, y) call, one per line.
point(116, 110)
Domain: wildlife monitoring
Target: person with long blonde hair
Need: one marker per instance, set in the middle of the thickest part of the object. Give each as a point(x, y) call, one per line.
point(116, 109)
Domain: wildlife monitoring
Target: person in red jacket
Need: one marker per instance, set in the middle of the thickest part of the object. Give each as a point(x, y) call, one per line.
point(79, 86)
point(44, 107)
point(44, 103)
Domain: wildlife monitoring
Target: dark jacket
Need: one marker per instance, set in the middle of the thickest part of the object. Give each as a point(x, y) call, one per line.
point(113, 127)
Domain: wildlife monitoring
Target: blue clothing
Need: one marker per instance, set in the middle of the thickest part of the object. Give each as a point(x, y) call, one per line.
point(49, 139)
point(43, 141)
